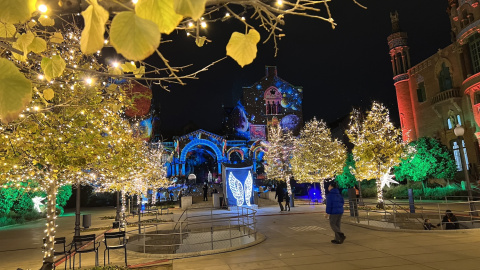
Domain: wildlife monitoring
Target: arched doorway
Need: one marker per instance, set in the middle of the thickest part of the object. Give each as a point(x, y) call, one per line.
point(199, 156)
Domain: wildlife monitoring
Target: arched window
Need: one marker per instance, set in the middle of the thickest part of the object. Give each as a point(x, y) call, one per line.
point(444, 78)
point(456, 154)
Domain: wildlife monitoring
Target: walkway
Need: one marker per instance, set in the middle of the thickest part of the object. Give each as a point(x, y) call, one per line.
point(299, 239)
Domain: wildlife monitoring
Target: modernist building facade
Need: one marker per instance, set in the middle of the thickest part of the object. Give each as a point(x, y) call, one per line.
point(443, 90)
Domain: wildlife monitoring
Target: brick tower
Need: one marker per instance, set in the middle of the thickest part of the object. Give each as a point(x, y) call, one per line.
point(397, 43)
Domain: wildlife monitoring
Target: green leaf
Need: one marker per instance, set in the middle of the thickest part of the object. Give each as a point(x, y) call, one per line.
point(56, 38)
point(190, 8)
point(95, 17)
point(18, 11)
point(53, 67)
point(115, 71)
point(7, 30)
point(160, 12)
point(48, 94)
point(38, 45)
point(200, 41)
point(243, 48)
point(128, 67)
point(135, 38)
point(24, 40)
point(139, 72)
point(46, 21)
point(22, 44)
point(15, 91)
point(20, 57)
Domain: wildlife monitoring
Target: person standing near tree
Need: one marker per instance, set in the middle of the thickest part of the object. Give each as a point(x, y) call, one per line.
point(287, 200)
point(279, 197)
point(334, 211)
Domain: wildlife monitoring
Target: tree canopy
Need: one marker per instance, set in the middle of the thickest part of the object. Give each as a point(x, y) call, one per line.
point(426, 158)
point(377, 144)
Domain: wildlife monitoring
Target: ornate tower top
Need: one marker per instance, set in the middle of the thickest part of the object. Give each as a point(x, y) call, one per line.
point(395, 22)
point(399, 51)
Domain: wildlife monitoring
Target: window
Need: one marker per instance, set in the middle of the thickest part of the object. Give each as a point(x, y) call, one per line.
point(453, 119)
point(444, 78)
point(421, 92)
point(474, 44)
point(458, 159)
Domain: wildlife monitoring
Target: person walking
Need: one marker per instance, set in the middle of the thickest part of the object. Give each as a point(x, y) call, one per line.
point(334, 211)
point(279, 197)
point(287, 200)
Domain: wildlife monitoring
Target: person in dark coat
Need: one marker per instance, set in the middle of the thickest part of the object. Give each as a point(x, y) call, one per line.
point(287, 200)
point(427, 225)
point(334, 211)
point(279, 197)
point(450, 221)
point(205, 192)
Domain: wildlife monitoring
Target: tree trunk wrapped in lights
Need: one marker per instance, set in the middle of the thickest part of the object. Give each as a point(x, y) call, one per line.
point(316, 154)
point(377, 144)
point(49, 242)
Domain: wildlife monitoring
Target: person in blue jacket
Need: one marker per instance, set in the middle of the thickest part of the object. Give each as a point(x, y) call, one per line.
point(334, 211)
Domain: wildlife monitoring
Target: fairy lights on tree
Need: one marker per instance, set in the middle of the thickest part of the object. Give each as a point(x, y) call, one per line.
point(279, 154)
point(377, 145)
point(316, 154)
point(135, 30)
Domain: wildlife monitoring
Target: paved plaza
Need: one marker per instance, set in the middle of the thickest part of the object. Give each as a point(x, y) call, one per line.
point(299, 239)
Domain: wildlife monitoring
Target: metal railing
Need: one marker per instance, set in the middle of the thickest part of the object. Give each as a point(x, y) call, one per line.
point(403, 215)
point(196, 230)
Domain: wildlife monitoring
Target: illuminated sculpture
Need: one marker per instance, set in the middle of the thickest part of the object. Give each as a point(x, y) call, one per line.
point(37, 202)
point(239, 190)
point(387, 179)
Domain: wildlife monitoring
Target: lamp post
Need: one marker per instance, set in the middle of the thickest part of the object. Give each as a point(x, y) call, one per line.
point(77, 210)
point(459, 131)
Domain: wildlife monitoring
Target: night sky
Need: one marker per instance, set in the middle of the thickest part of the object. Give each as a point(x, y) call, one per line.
point(338, 69)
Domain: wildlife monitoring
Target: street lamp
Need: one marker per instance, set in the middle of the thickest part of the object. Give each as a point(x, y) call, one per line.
point(459, 131)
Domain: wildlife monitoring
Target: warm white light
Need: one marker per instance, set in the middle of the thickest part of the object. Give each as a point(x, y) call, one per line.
point(42, 8)
point(227, 14)
point(203, 25)
point(279, 3)
point(89, 81)
point(40, 77)
point(37, 202)
point(105, 41)
point(115, 64)
point(134, 1)
point(190, 24)
point(243, 18)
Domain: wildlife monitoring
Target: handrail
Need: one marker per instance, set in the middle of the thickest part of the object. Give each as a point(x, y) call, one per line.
point(239, 224)
point(466, 212)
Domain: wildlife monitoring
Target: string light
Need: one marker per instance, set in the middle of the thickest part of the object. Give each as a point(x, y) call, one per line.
point(42, 8)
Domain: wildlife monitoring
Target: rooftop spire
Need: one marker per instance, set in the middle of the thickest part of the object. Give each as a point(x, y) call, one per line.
point(395, 22)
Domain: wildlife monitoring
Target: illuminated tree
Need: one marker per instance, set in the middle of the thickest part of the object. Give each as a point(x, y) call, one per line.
point(377, 145)
point(278, 154)
point(426, 158)
point(72, 118)
point(317, 154)
point(346, 179)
